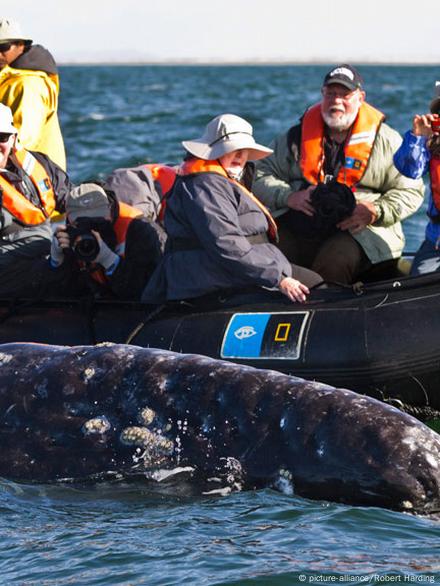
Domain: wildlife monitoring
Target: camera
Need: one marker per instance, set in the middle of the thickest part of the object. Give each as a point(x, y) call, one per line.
point(84, 244)
point(435, 125)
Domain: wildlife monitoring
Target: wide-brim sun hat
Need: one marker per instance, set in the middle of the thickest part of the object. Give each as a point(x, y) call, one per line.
point(224, 134)
point(6, 120)
point(10, 30)
point(435, 104)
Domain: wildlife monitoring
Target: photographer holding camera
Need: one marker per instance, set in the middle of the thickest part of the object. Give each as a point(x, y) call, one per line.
point(420, 154)
point(106, 246)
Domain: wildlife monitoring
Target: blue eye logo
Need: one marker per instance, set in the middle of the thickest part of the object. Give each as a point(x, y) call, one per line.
point(245, 332)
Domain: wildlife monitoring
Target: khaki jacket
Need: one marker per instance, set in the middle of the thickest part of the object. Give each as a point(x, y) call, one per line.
point(396, 196)
point(33, 98)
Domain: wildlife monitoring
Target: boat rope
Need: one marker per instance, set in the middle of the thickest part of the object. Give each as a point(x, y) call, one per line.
point(421, 412)
point(382, 302)
point(135, 331)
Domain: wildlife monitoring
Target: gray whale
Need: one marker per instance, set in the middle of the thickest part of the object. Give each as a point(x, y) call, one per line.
point(90, 413)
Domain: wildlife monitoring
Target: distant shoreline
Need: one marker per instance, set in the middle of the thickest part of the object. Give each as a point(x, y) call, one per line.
point(191, 63)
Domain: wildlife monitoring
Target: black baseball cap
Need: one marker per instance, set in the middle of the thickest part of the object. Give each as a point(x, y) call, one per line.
point(346, 75)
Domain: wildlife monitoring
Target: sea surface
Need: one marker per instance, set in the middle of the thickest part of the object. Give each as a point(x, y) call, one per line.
point(117, 116)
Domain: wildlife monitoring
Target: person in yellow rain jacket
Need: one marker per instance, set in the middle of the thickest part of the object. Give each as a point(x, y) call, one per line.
point(29, 85)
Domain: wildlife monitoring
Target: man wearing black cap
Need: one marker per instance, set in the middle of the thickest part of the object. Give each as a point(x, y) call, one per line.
point(341, 141)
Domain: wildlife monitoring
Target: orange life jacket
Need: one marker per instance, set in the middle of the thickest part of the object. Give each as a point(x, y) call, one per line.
point(434, 173)
point(17, 204)
point(357, 148)
point(201, 166)
point(126, 215)
point(164, 177)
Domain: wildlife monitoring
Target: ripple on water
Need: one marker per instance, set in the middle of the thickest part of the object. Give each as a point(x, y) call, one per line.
point(124, 535)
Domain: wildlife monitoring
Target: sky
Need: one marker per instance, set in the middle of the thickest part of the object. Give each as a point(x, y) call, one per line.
point(384, 31)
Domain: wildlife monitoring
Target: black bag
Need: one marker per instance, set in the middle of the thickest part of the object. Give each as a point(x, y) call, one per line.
point(333, 202)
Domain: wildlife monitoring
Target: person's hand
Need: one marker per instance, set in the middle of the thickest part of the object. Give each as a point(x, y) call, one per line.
point(60, 242)
point(105, 257)
point(422, 124)
point(363, 215)
point(300, 201)
point(293, 289)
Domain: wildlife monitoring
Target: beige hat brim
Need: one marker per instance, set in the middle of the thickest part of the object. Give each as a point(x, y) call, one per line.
point(98, 212)
point(200, 149)
point(15, 39)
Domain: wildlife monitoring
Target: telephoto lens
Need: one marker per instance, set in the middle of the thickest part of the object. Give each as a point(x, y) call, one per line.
point(83, 243)
point(86, 247)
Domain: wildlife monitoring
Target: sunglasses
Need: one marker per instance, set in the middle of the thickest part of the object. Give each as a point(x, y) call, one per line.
point(4, 47)
point(5, 136)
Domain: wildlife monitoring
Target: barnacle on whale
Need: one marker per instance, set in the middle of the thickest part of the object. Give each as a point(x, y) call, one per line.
point(144, 438)
point(146, 416)
point(98, 425)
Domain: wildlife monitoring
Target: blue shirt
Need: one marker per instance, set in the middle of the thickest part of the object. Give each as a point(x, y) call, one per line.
point(412, 160)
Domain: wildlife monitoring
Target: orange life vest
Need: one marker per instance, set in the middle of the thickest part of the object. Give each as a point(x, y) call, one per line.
point(17, 204)
point(357, 149)
point(201, 166)
point(164, 177)
point(126, 214)
point(434, 173)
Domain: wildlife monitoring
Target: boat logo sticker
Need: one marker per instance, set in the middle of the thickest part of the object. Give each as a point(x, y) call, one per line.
point(276, 336)
point(351, 163)
point(245, 332)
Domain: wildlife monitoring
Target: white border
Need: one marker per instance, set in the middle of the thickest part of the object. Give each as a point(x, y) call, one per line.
point(306, 315)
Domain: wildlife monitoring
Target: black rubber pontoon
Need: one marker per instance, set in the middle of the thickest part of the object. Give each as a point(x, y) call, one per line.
point(382, 339)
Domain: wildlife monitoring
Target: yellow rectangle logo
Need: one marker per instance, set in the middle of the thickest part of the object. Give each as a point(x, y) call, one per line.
point(282, 332)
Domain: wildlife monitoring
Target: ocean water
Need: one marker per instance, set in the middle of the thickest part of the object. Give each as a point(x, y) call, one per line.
point(117, 116)
point(114, 116)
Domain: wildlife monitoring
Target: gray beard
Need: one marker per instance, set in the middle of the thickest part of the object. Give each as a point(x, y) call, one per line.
point(342, 123)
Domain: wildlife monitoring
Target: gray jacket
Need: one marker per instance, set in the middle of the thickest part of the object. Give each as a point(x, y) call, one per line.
point(208, 220)
point(395, 196)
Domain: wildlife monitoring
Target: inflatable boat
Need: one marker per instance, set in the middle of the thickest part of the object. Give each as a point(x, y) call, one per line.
point(381, 339)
